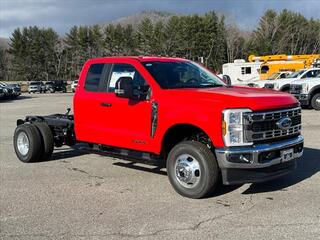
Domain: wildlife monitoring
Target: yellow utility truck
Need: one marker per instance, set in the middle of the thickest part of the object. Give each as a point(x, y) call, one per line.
point(280, 63)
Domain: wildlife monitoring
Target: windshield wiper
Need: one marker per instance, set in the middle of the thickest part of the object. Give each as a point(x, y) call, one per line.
point(211, 85)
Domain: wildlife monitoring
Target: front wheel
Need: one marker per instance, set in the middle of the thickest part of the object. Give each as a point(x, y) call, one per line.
point(192, 169)
point(315, 101)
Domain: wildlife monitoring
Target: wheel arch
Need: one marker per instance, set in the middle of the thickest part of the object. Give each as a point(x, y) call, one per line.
point(181, 132)
point(314, 90)
point(285, 87)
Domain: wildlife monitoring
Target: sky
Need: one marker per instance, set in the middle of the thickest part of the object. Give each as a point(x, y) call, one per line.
point(61, 15)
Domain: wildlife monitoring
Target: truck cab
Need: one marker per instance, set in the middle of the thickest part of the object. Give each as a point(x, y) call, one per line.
point(179, 114)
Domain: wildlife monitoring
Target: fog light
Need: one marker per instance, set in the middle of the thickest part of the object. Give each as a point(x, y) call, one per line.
point(240, 158)
point(268, 156)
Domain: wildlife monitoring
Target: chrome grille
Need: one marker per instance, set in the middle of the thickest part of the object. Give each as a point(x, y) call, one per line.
point(260, 126)
point(295, 88)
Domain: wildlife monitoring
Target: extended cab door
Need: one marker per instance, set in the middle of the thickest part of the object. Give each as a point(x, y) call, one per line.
point(89, 103)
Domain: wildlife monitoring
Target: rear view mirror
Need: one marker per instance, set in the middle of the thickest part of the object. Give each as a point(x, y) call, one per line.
point(124, 87)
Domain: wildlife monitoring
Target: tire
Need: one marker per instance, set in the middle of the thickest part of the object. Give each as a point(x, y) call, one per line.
point(198, 156)
point(30, 134)
point(315, 101)
point(47, 140)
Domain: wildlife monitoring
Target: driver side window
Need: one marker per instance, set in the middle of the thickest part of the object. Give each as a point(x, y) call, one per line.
point(125, 70)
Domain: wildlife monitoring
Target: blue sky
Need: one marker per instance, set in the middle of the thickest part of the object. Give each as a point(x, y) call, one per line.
point(62, 14)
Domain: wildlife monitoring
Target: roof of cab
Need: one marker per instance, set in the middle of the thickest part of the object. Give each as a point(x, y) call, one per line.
point(146, 58)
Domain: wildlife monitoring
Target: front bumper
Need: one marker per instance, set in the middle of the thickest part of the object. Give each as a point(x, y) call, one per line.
point(265, 161)
point(303, 99)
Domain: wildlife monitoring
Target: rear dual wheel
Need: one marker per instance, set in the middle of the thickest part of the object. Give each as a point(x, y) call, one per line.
point(33, 142)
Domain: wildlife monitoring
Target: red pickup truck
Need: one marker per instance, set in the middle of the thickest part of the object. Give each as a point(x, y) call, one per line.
point(176, 113)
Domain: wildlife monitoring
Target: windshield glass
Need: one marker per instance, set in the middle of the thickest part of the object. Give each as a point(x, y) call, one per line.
point(296, 74)
point(184, 74)
point(273, 76)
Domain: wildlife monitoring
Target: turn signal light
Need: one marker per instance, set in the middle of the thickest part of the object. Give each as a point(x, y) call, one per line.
point(224, 128)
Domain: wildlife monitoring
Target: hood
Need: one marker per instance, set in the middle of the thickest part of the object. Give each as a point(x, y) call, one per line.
point(237, 97)
point(307, 80)
point(282, 81)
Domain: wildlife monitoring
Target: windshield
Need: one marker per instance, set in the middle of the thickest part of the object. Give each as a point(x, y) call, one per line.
point(184, 74)
point(296, 74)
point(273, 76)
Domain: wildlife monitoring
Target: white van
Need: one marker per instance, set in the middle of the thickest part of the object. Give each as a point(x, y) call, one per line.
point(242, 72)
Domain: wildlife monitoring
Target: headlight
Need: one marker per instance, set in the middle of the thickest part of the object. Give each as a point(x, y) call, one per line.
point(233, 126)
point(305, 88)
point(5, 90)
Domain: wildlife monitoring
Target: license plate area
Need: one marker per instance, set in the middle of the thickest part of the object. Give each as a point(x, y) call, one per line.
point(286, 155)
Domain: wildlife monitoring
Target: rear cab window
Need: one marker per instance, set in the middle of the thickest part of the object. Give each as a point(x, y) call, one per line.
point(94, 76)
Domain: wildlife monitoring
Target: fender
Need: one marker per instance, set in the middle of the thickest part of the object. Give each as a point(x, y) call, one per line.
point(196, 117)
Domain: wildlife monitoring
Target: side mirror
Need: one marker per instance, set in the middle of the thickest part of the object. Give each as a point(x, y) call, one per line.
point(226, 79)
point(124, 87)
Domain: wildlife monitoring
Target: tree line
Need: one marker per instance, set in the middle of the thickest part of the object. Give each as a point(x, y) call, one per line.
point(41, 54)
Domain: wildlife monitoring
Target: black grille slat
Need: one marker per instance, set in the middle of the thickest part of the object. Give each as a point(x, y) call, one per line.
point(295, 88)
point(269, 85)
point(271, 124)
point(262, 126)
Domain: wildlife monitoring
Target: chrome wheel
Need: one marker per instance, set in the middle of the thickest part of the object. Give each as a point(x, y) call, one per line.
point(187, 171)
point(318, 101)
point(23, 143)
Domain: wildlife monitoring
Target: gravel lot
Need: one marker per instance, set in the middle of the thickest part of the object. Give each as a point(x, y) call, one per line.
point(86, 196)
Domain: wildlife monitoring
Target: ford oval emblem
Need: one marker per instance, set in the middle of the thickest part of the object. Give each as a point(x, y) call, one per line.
point(284, 123)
